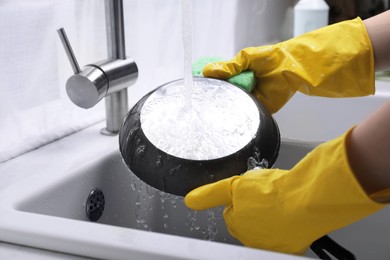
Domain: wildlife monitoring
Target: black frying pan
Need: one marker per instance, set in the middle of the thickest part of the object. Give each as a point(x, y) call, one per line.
point(177, 174)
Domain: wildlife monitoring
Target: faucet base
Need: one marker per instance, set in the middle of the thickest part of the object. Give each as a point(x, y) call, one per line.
point(104, 131)
point(116, 110)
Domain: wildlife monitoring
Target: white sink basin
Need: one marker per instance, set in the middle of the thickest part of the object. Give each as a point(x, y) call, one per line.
point(128, 202)
point(47, 209)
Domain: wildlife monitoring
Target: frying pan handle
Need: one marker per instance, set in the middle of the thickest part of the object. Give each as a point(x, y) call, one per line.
point(326, 243)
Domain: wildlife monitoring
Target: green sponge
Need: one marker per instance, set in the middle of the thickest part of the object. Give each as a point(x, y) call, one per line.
point(245, 80)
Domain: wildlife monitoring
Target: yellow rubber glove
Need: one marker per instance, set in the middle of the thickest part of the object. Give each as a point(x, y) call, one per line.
point(287, 210)
point(334, 61)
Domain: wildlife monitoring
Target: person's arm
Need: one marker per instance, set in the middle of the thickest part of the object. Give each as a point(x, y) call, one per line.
point(378, 29)
point(369, 151)
point(369, 143)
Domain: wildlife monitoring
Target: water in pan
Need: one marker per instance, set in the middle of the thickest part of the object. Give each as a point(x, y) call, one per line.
point(221, 119)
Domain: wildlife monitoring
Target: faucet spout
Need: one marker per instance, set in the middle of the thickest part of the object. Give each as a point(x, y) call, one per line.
point(117, 102)
point(115, 29)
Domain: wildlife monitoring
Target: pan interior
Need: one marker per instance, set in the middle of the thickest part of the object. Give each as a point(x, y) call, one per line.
point(214, 120)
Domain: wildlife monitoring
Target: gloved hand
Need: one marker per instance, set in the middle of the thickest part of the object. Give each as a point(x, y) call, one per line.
point(287, 210)
point(334, 61)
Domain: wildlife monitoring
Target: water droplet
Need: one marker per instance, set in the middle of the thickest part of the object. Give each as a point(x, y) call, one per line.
point(140, 150)
point(191, 219)
point(257, 162)
point(211, 177)
point(264, 163)
point(141, 186)
point(132, 131)
point(175, 170)
point(159, 161)
point(150, 192)
point(251, 163)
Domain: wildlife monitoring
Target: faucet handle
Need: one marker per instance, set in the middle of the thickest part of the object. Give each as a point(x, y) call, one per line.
point(69, 50)
point(88, 86)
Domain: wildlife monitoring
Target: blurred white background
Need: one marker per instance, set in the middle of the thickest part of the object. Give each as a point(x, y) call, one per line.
point(34, 107)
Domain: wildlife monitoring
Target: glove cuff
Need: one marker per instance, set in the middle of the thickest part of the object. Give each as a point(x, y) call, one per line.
point(338, 60)
point(335, 192)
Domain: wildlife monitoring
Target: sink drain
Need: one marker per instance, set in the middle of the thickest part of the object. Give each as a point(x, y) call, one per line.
point(95, 204)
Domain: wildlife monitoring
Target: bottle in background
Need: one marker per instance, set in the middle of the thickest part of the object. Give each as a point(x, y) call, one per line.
point(310, 15)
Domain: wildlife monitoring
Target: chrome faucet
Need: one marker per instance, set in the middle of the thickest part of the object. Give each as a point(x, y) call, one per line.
point(109, 78)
